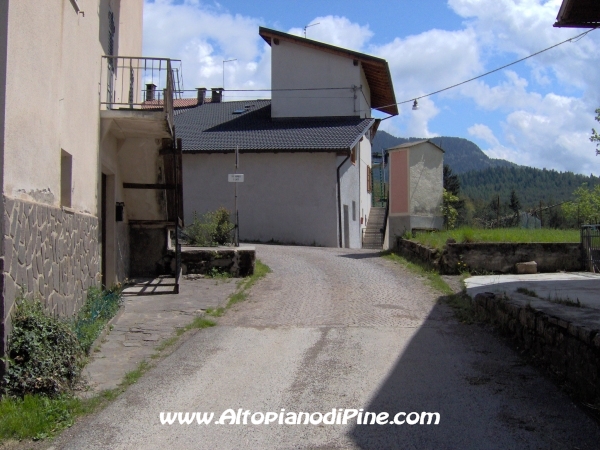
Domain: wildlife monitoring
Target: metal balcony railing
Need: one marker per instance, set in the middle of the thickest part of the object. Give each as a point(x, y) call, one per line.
point(140, 83)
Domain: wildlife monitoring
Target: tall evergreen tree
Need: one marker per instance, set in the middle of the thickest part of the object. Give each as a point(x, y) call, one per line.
point(514, 205)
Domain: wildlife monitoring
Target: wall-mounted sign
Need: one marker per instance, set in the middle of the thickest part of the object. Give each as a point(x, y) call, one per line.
point(235, 177)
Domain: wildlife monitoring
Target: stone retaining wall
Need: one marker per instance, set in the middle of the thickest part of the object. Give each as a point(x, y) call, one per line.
point(49, 253)
point(496, 257)
point(238, 261)
point(501, 257)
point(569, 347)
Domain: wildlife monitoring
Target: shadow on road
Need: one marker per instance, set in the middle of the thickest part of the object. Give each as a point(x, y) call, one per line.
point(487, 397)
point(375, 254)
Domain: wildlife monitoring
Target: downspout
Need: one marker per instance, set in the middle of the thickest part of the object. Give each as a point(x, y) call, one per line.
point(339, 189)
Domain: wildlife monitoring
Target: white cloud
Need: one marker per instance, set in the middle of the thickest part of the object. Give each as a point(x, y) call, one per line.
point(203, 37)
point(336, 30)
point(431, 60)
point(484, 132)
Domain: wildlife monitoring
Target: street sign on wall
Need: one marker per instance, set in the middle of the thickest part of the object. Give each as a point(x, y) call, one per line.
point(235, 177)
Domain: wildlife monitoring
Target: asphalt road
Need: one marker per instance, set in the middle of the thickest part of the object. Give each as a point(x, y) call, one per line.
point(341, 329)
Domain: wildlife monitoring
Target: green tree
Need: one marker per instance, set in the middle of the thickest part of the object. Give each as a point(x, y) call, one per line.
point(514, 205)
point(586, 207)
point(595, 137)
point(449, 210)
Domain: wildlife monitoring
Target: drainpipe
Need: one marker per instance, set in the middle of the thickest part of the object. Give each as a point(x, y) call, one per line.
point(339, 189)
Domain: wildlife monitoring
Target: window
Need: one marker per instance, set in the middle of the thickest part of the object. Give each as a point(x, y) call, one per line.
point(369, 179)
point(353, 211)
point(66, 171)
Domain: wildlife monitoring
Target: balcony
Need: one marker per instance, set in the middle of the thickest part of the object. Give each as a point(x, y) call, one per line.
point(137, 95)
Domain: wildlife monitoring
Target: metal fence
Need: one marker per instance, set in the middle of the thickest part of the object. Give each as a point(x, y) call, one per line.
point(140, 83)
point(590, 247)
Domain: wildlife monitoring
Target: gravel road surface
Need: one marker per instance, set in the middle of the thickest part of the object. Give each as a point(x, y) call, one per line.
point(333, 329)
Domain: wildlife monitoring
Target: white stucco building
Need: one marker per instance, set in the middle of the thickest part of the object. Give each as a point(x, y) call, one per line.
point(305, 154)
point(73, 129)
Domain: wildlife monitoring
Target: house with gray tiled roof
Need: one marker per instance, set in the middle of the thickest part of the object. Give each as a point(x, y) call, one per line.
point(305, 154)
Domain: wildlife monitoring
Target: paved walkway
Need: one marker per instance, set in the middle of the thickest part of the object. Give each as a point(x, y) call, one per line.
point(331, 328)
point(145, 321)
point(583, 286)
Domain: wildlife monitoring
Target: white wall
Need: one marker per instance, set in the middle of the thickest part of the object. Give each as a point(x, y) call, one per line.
point(350, 192)
point(296, 66)
point(53, 69)
point(365, 164)
point(286, 197)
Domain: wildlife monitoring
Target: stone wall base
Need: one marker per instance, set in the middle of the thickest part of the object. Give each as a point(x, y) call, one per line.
point(570, 350)
point(495, 257)
point(47, 253)
point(239, 262)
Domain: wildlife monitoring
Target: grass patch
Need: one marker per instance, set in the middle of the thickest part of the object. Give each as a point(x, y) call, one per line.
point(517, 235)
point(525, 291)
point(429, 273)
point(36, 417)
point(39, 417)
point(241, 294)
point(99, 307)
point(564, 301)
point(460, 302)
point(218, 274)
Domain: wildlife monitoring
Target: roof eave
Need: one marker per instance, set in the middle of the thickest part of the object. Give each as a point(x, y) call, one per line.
point(388, 105)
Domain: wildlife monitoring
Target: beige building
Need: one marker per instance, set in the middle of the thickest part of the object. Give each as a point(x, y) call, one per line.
point(73, 130)
point(416, 188)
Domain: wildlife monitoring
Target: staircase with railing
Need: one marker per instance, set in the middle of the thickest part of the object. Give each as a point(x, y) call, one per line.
point(373, 235)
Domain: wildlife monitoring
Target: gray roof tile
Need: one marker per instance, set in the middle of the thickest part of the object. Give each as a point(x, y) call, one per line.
point(213, 127)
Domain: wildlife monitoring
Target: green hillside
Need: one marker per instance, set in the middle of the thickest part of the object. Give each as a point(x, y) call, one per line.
point(531, 185)
point(483, 178)
point(461, 154)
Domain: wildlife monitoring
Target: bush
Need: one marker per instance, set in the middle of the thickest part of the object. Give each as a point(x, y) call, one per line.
point(214, 229)
point(99, 307)
point(44, 354)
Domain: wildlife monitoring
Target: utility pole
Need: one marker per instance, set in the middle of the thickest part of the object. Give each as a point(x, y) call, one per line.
point(237, 216)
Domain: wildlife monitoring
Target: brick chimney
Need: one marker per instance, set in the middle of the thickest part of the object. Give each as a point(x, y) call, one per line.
point(216, 95)
point(201, 95)
point(150, 91)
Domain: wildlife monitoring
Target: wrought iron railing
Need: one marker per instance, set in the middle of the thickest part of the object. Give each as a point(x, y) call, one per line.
point(140, 83)
point(590, 247)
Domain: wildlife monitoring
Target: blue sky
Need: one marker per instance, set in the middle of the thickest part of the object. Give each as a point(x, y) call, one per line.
point(538, 113)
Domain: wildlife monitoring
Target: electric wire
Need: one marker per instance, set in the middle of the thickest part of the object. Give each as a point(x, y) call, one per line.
point(572, 39)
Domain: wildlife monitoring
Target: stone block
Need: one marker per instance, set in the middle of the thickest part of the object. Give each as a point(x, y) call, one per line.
point(10, 291)
point(22, 253)
point(14, 264)
point(526, 267)
point(29, 252)
point(596, 341)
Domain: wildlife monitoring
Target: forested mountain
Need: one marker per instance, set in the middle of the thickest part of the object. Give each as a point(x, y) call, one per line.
point(531, 185)
point(461, 154)
point(483, 178)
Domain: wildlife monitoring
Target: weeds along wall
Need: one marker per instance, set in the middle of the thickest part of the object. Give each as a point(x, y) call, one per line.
point(48, 253)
